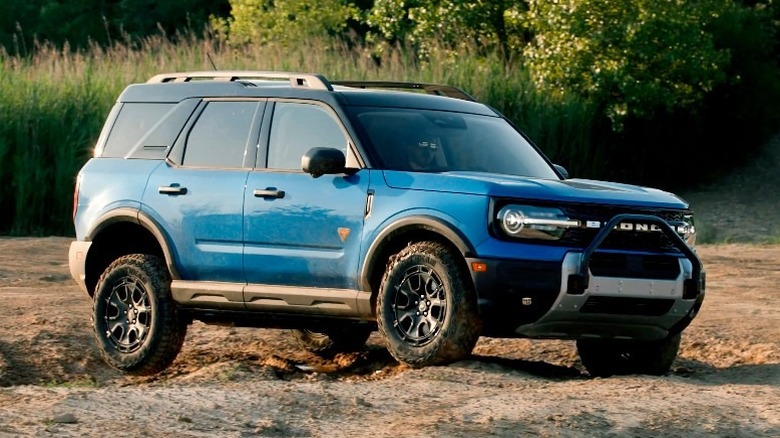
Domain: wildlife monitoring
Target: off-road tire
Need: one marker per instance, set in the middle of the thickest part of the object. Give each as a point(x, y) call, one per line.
point(136, 324)
point(427, 307)
point(604, 358)
point(330, 341)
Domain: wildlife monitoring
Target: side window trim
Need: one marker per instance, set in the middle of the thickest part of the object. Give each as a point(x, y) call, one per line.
point(176, 154)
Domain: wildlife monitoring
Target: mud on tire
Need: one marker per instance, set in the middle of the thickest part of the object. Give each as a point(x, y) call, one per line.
point(427, 307)
point(136, 325)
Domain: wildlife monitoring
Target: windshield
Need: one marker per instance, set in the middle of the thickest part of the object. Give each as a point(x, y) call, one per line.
point(440, 141)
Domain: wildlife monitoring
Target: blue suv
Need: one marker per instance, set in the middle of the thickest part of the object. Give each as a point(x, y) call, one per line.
point(335, 209)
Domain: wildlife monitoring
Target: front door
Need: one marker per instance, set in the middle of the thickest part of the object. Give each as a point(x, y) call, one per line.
point(302, 231)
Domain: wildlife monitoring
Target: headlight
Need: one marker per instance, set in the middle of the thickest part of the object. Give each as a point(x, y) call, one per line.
point(688, 231)
point(530, 222)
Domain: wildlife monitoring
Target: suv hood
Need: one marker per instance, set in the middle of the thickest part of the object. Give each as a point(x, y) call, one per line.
point(509, 186)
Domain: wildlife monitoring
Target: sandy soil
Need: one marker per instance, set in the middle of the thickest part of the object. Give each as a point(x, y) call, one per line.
point(743, 206)
point(257, 382)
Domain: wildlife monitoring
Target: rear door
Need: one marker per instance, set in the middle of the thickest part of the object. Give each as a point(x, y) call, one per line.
point(197, 195)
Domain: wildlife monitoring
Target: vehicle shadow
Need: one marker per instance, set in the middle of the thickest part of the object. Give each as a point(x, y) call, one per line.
point(534, 367)
point(744, 374)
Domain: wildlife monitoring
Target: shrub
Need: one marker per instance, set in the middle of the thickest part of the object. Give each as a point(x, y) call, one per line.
point(633, 57)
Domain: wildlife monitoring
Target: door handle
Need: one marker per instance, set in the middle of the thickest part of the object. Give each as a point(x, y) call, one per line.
point(270, 192)
point(172, 190)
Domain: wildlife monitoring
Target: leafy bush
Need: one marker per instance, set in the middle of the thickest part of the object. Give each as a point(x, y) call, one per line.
point(634, 57)
point(430, 24)
point(284, 21)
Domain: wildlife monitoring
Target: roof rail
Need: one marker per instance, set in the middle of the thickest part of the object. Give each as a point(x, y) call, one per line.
point(302, 80)
point(439, 90)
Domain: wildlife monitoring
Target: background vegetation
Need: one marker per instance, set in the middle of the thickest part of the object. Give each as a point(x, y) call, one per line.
point(663, 93)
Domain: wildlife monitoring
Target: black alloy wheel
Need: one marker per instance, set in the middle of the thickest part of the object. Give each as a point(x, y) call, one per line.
point(136, 324)
point(427, 307)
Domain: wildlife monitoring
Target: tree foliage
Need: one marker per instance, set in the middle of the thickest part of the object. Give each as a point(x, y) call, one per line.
point(286, 21)
point(635, 56)
point(79, 23)
point(453, 23)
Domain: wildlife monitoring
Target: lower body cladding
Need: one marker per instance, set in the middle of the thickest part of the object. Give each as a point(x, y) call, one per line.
point(256, 305)
point(549, 299)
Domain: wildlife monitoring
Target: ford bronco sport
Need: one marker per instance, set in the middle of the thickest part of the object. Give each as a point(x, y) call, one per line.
point(334, 209)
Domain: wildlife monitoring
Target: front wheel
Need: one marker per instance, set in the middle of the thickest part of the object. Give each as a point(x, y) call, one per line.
point(603, 358)
point(427, 307)
point(137, 327)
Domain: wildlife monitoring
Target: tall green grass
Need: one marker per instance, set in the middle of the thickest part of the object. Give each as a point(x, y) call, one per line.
point(53, 104)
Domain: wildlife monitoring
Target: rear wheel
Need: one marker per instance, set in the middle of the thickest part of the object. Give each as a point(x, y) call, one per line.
point(603, 358)
point(137, 327)
point(330, 341)
point(427, 307)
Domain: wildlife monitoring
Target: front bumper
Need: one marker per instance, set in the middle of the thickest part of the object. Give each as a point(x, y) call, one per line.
point(580, 297)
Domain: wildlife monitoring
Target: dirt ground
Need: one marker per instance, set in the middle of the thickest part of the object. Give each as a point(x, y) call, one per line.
point(237, 382)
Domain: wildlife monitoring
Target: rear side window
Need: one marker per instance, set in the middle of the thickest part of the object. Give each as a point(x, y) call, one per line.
point(133, 122)
point(220, 135)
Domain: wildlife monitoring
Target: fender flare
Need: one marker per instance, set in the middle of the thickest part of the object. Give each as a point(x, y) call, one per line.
point(423, 222)
point(126, 214)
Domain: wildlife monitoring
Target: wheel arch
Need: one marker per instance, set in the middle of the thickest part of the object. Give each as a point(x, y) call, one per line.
point(400, 234)
point(121, 232)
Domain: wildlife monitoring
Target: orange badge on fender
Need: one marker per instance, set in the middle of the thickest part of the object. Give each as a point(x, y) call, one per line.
point(343, 233)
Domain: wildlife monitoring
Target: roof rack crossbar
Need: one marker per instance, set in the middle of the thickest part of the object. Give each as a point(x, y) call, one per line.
point(300, 80)
point(437, 89)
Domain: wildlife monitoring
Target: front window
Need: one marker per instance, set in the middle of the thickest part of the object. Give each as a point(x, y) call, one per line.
point(298, 127)
point(440, 141)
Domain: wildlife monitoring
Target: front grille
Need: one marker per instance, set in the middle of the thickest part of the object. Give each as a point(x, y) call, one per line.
point(627, 306)
point(619, 239)
point(634, 266)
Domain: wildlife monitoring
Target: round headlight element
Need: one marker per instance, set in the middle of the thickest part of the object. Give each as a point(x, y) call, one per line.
point(532, 222)
point(512, 221)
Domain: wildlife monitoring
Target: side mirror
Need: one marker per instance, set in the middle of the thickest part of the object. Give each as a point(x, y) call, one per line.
point(323, 161)
point(562, 170)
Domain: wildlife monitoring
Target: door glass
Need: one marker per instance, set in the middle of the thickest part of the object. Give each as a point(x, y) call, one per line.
point(219, 137)
point(296, 128)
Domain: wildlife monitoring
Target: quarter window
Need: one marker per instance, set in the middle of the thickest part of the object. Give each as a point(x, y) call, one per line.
point(220, 135)
point(133, 122)
point(296, 128)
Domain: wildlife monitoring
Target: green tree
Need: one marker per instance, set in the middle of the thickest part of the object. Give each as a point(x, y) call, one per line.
point(75, 22)
point(286, 21)
point(635, 57)
point(17, 24)
point(423, 24)
point(146, 17)
point(81, 22)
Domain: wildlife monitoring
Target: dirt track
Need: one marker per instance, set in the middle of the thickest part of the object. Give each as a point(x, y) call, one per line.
point(250, 382)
